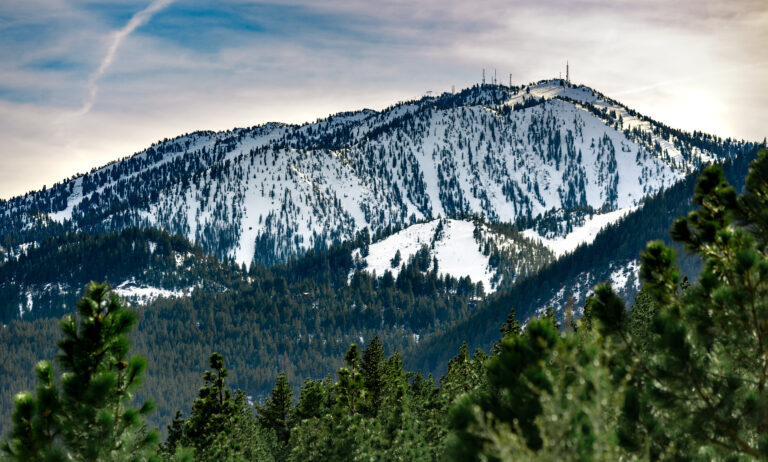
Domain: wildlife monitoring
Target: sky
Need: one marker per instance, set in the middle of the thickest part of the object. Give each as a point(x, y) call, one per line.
point(83, 83)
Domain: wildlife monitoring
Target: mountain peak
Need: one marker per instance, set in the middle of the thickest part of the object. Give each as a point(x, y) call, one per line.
point(265, 193)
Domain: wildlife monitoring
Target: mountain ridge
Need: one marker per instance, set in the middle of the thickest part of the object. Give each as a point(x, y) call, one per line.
point(266, 193)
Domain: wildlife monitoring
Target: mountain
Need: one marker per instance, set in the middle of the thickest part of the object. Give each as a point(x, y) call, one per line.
point(613, 255)
point(266, 193)
point(423, 224)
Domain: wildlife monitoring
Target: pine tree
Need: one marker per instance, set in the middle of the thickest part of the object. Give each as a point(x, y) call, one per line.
point(89, 417)
point(395, 261)
point(311, 400)
point(277, 412)
point(348, 389)
point(511, 327)
point(516, 379)
point(175, 437)
point(214, 410)
point(373, 375)
point(702, 369)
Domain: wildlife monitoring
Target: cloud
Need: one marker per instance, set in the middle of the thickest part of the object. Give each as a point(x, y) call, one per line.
point(203, 65)
point(116, 40)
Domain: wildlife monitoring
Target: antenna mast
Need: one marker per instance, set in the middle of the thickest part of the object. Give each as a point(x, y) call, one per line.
point(567, 73)
point(483, 76)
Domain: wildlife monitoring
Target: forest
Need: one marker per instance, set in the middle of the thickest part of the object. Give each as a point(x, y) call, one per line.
point(680, 375)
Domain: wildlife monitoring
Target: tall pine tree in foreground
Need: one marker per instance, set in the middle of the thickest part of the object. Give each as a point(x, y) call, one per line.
point(682, 376)
point(700, 373)
point(88, 416)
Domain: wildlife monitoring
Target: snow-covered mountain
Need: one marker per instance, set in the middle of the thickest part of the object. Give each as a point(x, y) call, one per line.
point(548, 156)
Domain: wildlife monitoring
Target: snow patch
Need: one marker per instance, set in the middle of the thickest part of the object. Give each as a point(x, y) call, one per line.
point(626, 273)
point(584, 234)
point(455, 249)
point(142, 293)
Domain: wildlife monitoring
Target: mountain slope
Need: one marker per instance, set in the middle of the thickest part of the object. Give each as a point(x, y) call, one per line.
point(46, 279)
point(459, 248)
point(266, 193)
point(299, 317)
point(612, 256)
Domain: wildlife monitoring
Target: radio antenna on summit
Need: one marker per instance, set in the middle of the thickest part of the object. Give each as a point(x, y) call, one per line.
point(483, 76)
point(567, 73)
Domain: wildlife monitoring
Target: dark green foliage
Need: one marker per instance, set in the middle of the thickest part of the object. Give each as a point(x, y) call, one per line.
point(700, 368)
point(312, 400)
point(410, 420)
point(87, 417)
point(373, 370)
point(53, 271)
point(175, 437)
point(214, 410)
point(608, 308)
point(515, 379)
point(277, 412)
point(221, 427)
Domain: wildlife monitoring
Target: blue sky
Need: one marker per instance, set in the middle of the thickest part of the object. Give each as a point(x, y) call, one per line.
point(86, 82)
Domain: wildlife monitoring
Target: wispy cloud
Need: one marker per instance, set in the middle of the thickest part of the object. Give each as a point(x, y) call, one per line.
point(134, 71)
point(115, 41)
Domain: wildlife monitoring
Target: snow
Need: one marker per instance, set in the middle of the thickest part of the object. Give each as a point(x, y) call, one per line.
point(467, 158)
point(142, 293)
point(584, 234)
point(456, 251)
point(625, 273)
point(179, 258)
point(458, 254)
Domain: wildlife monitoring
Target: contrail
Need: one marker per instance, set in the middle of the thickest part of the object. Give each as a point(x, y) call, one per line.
point(115, 41)
point(687, 79)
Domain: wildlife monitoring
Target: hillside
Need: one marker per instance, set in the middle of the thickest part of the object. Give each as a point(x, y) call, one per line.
point(266, 193)
point(46, 278)
point(612, 256)
point(298, 317)
point(459, 248)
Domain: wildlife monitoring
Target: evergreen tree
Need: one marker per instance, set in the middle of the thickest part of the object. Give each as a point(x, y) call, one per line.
point(516, 378)
point(701, 381)
point(214, 410)
point(175, 437)
point(89, 417)
point(277, 412)
point(312, 400)
point(373, 375)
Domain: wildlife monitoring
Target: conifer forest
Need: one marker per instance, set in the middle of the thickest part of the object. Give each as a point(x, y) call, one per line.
point(678, 373)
